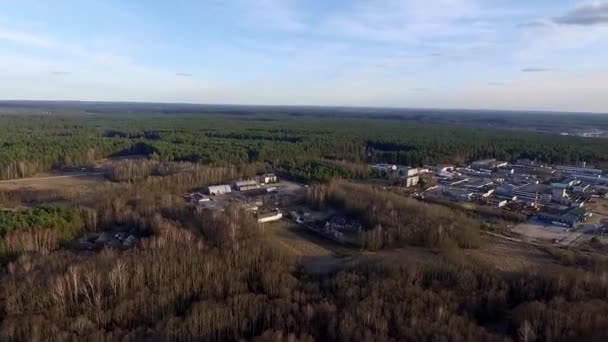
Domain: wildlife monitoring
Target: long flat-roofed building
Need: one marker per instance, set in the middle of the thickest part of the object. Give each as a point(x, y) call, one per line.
point(246, 185)
point(579, 170)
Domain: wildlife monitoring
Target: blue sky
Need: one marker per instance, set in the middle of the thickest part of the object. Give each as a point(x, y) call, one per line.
point(505, 54)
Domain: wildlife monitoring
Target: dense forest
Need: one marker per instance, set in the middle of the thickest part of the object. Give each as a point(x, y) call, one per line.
point(300, 145)
point(217, 276)
point(41, 229)
point(396, 221)
point(212, 276)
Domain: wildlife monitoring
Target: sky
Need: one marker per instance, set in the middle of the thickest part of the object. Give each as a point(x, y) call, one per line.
point(473, 54)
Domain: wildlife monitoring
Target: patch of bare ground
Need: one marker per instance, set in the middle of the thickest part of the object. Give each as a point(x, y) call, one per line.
point(319, 255)
point(56, 187)
point(598, 206)
point(401, 257)
point(53, 181)
point(509, 256)
point(316, 254)
point(497, 254)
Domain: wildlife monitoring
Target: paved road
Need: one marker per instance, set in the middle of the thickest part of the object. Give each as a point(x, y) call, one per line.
point(82, 174)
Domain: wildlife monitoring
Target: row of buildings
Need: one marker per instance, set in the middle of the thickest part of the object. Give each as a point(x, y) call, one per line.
point(557, 193)
point(243, 185)
point(217, 197)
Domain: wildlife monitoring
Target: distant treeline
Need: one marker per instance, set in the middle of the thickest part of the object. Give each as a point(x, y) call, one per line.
point(30, 144)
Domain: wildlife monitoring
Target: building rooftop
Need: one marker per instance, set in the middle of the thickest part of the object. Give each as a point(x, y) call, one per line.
point(534, 188)
point(245, 182)
point(570, 214)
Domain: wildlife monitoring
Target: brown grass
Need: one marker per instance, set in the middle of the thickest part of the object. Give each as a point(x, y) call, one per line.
point(52, 181)
point(598, 206)
point(508, 256)
point(316, 254)
point(50, 188)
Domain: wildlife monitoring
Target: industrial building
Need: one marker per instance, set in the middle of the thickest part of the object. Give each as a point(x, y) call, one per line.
point(591, 178)
point(410, 175)
point(581, 187)
point(497, 202)
point(219, 189)
point(539, 170)
point(269, 217)
point(530, 183)
point(476, 172)
point(491, 163)
point(567, 218)
point(203, 200)
point(267, 178)
point(385, 168)
point(453, 181)
point(534, 192)
point(441, 168)
point(461, 194)
point(406, 171)
point(411, 181)
point(525, 162)
point(246, 185)
point(578, 170)
point(477, 184)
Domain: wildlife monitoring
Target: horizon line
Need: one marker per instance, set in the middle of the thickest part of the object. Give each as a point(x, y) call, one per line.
point(359, 107)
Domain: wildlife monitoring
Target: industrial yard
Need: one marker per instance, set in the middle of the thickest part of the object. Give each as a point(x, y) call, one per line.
point(562, 204)
point(550, 204)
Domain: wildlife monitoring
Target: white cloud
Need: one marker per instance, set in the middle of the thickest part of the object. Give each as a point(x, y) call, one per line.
point(578, 29)
point(402, 21)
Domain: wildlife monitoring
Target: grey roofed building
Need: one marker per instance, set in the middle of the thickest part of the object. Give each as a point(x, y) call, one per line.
point(569, 217)
point(578, 170)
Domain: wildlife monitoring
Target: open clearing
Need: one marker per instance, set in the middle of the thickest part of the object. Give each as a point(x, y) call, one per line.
point(317, 254)
point(508, 256)
point(495, 253)
point(54, 181)
point(537, 231)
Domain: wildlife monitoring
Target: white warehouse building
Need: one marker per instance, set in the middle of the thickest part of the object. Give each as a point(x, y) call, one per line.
point(219, 189)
